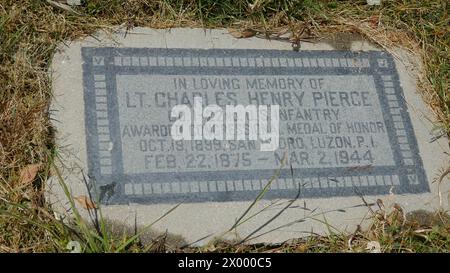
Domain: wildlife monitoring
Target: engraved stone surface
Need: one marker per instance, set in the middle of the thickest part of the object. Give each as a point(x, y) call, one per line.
point(339, 111)
point(346, 131)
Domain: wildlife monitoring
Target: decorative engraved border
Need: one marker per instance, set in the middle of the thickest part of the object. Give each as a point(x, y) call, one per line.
point(397, 117)
point(102, 121)
point(397, 114)
point(239, 62)
point(176, 187)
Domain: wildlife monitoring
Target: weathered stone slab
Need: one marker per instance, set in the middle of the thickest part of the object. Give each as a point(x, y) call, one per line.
point(351, 125)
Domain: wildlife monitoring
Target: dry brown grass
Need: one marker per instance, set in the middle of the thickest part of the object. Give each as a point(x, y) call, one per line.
point(31, 29)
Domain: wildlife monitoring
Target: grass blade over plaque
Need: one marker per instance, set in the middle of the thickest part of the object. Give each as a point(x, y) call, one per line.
point(98, 238)
point(259, 196)
point(273, 217)
point(136, 236)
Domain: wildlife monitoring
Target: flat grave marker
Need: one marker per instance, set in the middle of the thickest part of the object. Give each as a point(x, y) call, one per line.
point(346, 130)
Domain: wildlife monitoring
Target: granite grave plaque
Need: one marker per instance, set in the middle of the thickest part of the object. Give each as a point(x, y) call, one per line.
point(352, 124)
point(343, 124)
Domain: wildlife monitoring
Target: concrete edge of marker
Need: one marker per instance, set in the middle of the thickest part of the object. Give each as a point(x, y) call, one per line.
point(196, 220)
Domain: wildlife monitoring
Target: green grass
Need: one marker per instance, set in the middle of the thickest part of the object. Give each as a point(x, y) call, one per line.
point(31, 29)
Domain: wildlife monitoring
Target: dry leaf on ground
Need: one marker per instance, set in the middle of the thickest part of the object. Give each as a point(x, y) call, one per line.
point(85, 202)
point(246, 33)
point(28, 173)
